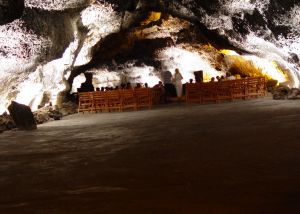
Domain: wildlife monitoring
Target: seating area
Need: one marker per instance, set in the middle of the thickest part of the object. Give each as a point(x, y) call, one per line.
point(228, 90)
point(135, 99)
point(119, 100)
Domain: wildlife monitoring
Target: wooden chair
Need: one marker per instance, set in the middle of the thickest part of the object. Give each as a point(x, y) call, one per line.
point(261, 86)
point(157, 95)
point(85, 102)
point(208, 92)
point(128, 99)
point(251, 87)
point(192, 93)
point(100, 101)
point(113, 100)
point(143, 97)
point(224, 90)
point(239, 89)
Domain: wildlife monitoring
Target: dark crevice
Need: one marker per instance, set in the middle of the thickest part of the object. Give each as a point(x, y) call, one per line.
point(10, 10)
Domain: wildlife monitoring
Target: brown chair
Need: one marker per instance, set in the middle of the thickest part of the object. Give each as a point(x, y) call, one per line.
point(239, 89)
point(224, 90)
point(128, 99)
point(157, 95)
point(113, 100)
point(192, 93)
point(208, 92)
point(100, 101)
point(252, 87)
point(85, 102)
point(143, 97)
point(261, 86)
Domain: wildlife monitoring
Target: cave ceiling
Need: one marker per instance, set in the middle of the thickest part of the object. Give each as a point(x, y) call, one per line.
point(45, 46)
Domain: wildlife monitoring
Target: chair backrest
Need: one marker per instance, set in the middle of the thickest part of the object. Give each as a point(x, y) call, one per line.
point(112, 94)
point(157, 95)
point(99, 95)
point(99, 100)
point(127, 93)
point(113, 98)
point(192, 85)
point(262, 81)
point(252, 81)
point(156, 92)
point(224, 85)
point(143, 92)
point(207, 88)
point(192, 88)
point(84, 96)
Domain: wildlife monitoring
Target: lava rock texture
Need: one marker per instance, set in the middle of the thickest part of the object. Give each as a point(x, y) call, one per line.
point(22, 116)
point(46, 45)
point(10, 10)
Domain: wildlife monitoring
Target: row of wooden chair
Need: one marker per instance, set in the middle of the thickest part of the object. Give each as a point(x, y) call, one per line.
point(225, 90)
point(119, 100)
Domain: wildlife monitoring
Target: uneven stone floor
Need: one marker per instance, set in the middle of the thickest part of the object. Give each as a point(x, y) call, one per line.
point(240, 157)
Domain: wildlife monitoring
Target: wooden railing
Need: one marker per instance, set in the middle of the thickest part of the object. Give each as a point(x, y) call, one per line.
point(225, 90)
point(119, 99)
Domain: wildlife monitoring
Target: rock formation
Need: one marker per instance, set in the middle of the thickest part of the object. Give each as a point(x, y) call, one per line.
point(6, 122)
point(22, 116)
point(46, 114)
point(283, 93)
point(46, 46)
point(10, 10)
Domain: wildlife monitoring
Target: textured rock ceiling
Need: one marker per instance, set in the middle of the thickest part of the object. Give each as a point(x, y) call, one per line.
point(46, 45)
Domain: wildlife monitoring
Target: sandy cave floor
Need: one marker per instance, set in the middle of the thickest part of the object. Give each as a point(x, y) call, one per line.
point(240, 157)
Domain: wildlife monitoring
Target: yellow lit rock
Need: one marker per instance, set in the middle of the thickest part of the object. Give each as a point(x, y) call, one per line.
point(227, 52)
point(152, 17)
point(254, 66)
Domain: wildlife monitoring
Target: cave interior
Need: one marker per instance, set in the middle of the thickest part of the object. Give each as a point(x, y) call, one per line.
point(49, 46)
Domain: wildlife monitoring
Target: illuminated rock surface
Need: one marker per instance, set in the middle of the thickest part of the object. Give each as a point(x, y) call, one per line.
point(240, 157)
point(45, 47)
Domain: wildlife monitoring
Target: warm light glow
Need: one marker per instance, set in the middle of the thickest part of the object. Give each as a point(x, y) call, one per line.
point(228, 52)
point(188, 62)
point(30, 66)
point(152, 17)
point(2, 105)
point(30, 95)
point(269, 68)
point(255, 66)
point(145, 74)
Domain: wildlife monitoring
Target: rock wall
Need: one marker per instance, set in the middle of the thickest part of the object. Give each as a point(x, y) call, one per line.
point(46, 45)
point(10, 10)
